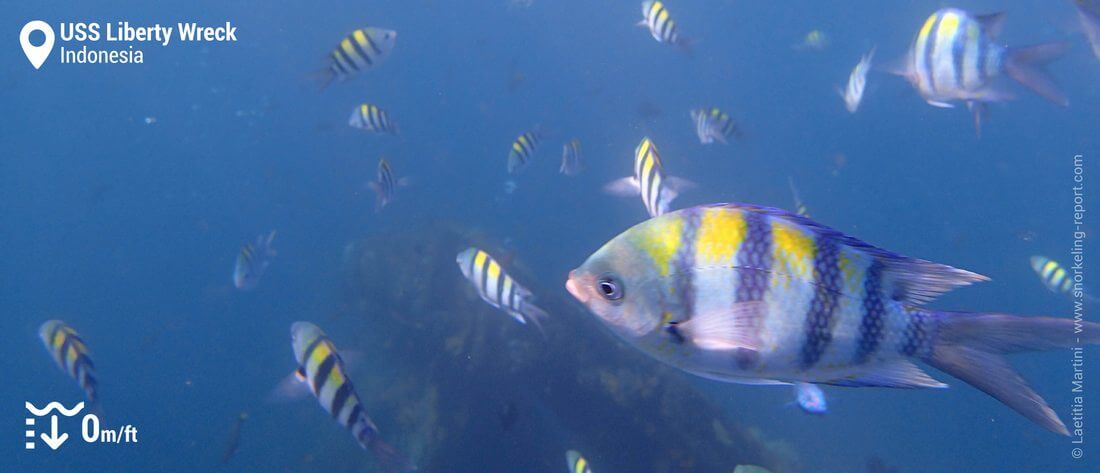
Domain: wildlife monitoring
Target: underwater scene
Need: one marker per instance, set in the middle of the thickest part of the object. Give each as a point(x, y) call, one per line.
point(549, 236)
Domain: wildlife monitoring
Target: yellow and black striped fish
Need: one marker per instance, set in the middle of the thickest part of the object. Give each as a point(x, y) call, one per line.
point(369, 117)
point(363, 49)
point(1054, 276)
point(523, 148)
point(322, 369)
point(576, 463)
point(385, 188)
point(571, 158)
point(71, 355)
point(956, 57)
point(713, 124)
point(656, 18)
point(649, 180)
point(498, 288)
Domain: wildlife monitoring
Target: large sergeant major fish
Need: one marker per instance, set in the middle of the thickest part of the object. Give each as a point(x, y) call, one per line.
point(749, 294)
point(71, 355)
point(956, 57)
point(322, 369)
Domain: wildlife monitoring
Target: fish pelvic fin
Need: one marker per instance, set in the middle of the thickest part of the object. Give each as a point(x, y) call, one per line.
point(624, 187)
point(1025, 65)
point(391, 459)
point(970, 347)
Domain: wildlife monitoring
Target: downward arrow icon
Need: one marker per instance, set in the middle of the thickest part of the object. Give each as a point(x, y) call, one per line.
point(53, 440)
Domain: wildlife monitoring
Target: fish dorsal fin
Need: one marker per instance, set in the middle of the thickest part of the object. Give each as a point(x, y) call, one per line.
point(905, 279)
point(737, 327)
point(992, 24)
point(892, 374)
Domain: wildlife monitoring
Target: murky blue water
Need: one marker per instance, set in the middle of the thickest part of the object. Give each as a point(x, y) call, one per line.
point(128, 230)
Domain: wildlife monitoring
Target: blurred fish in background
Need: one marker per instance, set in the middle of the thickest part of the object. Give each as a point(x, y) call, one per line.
point(252, 262)
point(362, 50)
point(71, 355)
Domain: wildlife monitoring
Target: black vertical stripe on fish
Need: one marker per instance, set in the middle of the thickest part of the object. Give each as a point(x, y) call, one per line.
point(370, 42)
point(684, 262)
point(958, 55)
point(484, 286)
point(354, 416)
point(359, 51)
point(512, 295)
point(819, 318)
point(915, 337)
point(322, 374)
point(871, 323)
point(499, 283)
point(340, 398)
point(66, 342)
point(754, 259)
point(307, 354)
point(347, 58)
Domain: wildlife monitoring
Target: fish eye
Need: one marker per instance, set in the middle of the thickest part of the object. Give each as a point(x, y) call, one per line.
point(610, 287)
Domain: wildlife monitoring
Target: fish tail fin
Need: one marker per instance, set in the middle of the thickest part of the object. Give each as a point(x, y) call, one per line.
point(391, 459)
point(687, 45)
point(323, 78)
point(970, 346)
point(536, 315)
point(1025, 65)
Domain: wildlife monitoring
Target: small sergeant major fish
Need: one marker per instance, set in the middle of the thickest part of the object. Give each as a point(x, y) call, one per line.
point(956, 56)
point(363, 49)
point(385, 187)
point(857, 81)
point(1053, 275)
point(810, 398)
point(713, 124)
point(749, 294)
point(815, 40)
point(253, 261)
point(369, 117)
point(523, 148)
point(322, 369)
point(656, 18)
point(71, 355)
point(576, 463)
point(497, 288)
point(1088, 12)
point(649, 180)
point(571, 158)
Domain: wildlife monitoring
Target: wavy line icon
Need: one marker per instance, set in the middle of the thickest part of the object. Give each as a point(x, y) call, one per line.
point(55, 406)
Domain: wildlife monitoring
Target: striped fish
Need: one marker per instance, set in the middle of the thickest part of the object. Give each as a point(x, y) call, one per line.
point(363, 49)
point(956, 57)
point(749, 294)
point(576, 463)
point(322, 370)
point(71, 355)
point(498, 288)
point(857, 81)
point(649, 180)
point(571, 158)
point(713, 124)
point(1053, 275)
point(656, 18)
point(369, 117)
point(523, 148)
point(385, 188)
point(252, 262)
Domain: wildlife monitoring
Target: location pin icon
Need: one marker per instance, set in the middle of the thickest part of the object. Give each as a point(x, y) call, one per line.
point(36, 54)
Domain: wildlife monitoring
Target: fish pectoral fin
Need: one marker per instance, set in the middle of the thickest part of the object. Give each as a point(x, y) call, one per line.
point(300, 374)
point(937, 103)
point(722, 330)
point(290, 388)
point(891, 374)
point(625, 187)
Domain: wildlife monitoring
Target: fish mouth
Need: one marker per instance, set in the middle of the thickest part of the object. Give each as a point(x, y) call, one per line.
point(574, 287)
